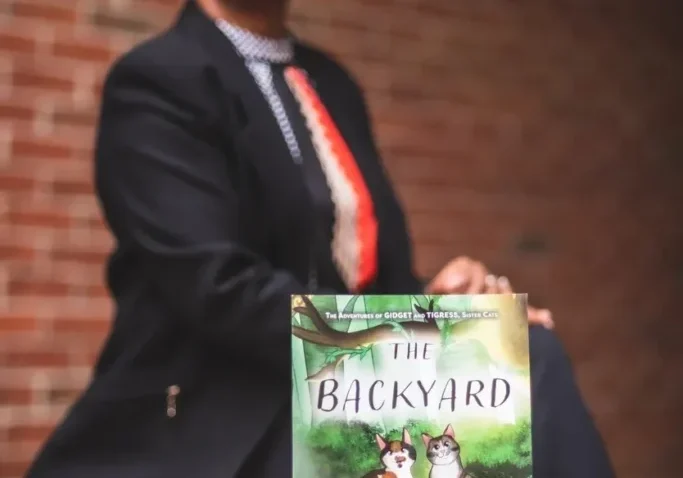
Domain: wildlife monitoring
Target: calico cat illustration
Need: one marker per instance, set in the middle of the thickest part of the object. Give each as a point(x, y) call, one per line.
point(397, 457)
point(444, 454)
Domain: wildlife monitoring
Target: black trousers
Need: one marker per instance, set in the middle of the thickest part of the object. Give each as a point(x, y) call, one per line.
point(272, 457)
point(566, 443)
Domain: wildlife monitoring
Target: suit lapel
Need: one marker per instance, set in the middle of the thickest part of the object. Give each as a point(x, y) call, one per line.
point(258, 140)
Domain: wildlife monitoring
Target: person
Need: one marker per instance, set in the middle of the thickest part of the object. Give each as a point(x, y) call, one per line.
point(236, 166)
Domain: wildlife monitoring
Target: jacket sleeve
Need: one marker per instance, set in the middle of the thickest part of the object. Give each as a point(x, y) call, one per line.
point(169, 198)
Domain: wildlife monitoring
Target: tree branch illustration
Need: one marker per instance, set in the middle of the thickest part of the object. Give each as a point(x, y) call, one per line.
point(325, 335)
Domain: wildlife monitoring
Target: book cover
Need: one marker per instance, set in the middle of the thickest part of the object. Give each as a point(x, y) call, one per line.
point(411, 387)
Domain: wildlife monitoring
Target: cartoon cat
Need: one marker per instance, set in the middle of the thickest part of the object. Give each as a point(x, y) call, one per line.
point(444, 454)
point(397, 457)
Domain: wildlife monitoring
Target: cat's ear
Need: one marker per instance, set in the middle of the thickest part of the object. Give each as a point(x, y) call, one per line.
point(406, 437)
point(381, 442)
point(426, 439)
point(449, 432)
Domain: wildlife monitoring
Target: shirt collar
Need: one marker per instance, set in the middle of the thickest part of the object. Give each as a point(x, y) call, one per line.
point(256, 47)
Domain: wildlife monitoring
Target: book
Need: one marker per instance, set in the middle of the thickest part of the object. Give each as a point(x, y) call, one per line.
point(411, 386)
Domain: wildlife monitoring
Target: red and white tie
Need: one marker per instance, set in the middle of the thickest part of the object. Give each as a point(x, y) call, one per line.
point(355, 234)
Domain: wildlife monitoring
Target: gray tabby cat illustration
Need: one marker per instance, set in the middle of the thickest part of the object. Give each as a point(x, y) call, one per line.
point(443, 453)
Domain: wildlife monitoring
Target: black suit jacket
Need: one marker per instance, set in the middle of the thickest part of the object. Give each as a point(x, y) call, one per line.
point(213, 226)
point(212, 221)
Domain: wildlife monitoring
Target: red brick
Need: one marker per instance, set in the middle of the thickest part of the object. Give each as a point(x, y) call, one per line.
point(13, 469)
point(34, 359)
point(93, 326)
point(34, 78)
point(540, 138)
point(73, 187)
point(15, 183)
point(87, 51)
point(28, 433)
point(17, 42)
point(81, 256)
point(43, 11)
point(49, 218)
point(15, 396)
point(163, 3)
point(74, 117)
point(40, 147)
point(18, 252)
point(13, 324)
point(22, 288)
point(15, 112)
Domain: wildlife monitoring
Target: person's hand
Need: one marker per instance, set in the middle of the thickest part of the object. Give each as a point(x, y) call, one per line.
point(460, 276)
point(501, 285)
point(464, 275)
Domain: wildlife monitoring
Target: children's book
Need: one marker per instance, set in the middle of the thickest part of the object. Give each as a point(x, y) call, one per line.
point(411, 386)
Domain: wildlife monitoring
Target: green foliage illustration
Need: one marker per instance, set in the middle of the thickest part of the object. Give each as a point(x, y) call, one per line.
point(348, 450)
point(345, 339)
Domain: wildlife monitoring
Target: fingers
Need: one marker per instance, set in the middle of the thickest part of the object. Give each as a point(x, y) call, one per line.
point(504, 285)
point(541, 317)
point(466, 276)
point(498, 285)
point(478, 273)
point(454, 278)
point(536, 316)
point(491, 284)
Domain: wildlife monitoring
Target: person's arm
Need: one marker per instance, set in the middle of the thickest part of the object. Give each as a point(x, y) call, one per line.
point(169, 196)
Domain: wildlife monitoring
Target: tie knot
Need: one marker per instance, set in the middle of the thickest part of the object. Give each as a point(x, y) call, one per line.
point(258, 48)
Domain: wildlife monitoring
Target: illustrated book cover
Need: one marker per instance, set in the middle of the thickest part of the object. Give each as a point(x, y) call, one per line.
point(411, 386)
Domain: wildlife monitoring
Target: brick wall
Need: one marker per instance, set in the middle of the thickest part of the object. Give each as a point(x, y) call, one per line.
point(542, 137)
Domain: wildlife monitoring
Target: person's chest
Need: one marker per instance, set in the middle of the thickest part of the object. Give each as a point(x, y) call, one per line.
point(281, 215)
